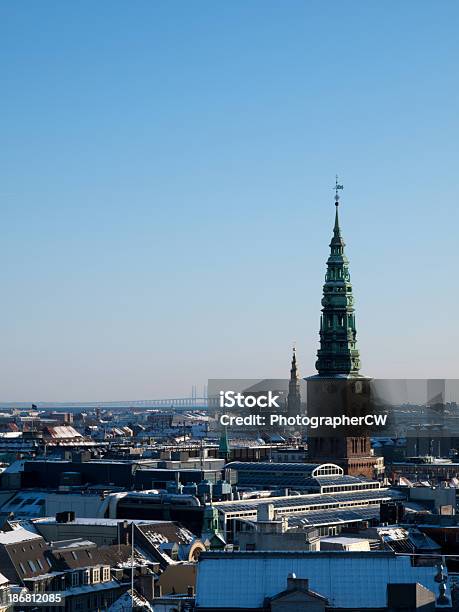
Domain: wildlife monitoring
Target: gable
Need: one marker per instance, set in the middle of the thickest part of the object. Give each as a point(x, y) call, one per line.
point(297, 596)
point(298, 599)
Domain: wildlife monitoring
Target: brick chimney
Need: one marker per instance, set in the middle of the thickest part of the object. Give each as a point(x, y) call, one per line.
point(294, 583)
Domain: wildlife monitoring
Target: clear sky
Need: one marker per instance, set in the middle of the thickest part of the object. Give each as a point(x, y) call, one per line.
point(165, 190)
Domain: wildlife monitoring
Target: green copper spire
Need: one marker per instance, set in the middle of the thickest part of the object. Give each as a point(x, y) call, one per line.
point(223, 446)
point(337, 355)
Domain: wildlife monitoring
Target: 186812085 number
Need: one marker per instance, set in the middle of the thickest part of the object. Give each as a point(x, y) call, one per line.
point(35, 599)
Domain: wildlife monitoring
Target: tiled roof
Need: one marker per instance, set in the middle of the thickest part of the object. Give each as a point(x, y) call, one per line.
point(124, 602)
point(89, 557)
point(168, 531)
point(63, 431)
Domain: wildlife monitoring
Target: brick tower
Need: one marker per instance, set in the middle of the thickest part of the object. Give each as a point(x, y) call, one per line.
point(339, 388)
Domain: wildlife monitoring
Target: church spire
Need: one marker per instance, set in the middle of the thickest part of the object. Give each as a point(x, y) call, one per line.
point(337, 229)
point(294, 393)
point(337, 355)
point(294, 369)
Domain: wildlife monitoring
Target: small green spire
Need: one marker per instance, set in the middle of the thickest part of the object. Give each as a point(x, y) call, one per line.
point(223, 446)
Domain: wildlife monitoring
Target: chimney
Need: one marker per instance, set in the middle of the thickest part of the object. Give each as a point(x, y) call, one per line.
point(442, 599)
point(145, 584)
point(297, 583)
point(65, 517)
point(123, 534)
point(265, 512)
point(291, 581)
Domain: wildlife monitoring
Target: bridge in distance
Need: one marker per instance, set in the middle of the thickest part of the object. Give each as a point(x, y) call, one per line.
point(179, 404)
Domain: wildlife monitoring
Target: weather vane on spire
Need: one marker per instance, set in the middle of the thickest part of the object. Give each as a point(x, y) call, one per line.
point(337, 187)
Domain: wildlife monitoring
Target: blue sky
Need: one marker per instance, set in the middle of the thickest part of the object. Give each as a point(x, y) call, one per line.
point(165, 190)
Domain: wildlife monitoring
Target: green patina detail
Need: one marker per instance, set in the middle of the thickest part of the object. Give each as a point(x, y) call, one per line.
point(223, 446)
point(337, 355)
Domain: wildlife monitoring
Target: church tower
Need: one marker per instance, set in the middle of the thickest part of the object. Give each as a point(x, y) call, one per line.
point(338, 355)
point(294, 395)
point(339, 388)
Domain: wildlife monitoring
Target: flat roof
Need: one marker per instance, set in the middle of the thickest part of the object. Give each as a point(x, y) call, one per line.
point(344, 540)
point(293, 501)
point(266, 466)
point(107, 522)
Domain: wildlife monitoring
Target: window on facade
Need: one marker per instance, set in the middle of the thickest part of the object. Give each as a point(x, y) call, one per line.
point(32, 565)
point(96, 574)
point(75, 578)
point(106, 574)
